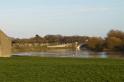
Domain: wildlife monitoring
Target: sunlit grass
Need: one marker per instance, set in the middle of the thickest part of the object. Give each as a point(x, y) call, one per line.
point(39, 69)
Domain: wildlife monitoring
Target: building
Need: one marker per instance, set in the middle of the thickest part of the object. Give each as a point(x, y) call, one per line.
point(5, 45)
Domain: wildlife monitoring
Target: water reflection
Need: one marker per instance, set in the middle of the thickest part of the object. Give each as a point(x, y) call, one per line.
point(103, 55)
point(73, 53)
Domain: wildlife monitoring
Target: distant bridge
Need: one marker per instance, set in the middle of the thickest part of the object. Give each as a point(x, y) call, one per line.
point(58, 46)
point(81, 46)
point(77, 46)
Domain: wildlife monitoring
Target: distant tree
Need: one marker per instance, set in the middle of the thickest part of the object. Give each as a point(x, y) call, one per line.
point(37, 39)
point(115, 40)
point(73, 39)
point(95, 43)
point(37, 36)
point(53, 38)
point(116, 33)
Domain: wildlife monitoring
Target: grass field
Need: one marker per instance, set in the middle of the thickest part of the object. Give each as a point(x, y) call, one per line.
point(38, 69)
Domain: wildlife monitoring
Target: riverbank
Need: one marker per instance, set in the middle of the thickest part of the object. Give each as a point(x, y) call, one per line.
point(45, 69)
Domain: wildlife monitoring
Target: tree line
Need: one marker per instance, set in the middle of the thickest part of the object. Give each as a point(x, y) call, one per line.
point(113, 41)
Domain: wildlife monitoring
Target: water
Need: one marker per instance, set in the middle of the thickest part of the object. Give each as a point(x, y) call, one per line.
point(73, 53)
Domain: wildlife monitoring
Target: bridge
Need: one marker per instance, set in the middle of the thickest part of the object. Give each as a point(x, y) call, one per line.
point(58, 46)
point(81, 46)
point(77, 46)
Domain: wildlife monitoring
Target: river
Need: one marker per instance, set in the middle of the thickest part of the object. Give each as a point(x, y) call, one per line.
point(72, 53)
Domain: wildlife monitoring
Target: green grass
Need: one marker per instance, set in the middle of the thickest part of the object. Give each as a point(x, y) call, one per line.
point(38, 69)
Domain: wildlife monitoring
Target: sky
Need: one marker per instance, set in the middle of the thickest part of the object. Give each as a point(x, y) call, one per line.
point(26, 18)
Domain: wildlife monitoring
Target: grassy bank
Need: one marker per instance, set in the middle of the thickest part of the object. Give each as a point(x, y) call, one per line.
point(38, 69)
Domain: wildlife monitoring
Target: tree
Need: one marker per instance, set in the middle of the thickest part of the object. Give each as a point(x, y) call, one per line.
point(116, 33)
point(113, 42)
point(53, 38)
point(95, 43)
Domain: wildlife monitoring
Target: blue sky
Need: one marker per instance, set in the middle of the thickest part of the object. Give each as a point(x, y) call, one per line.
point(25, 18)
